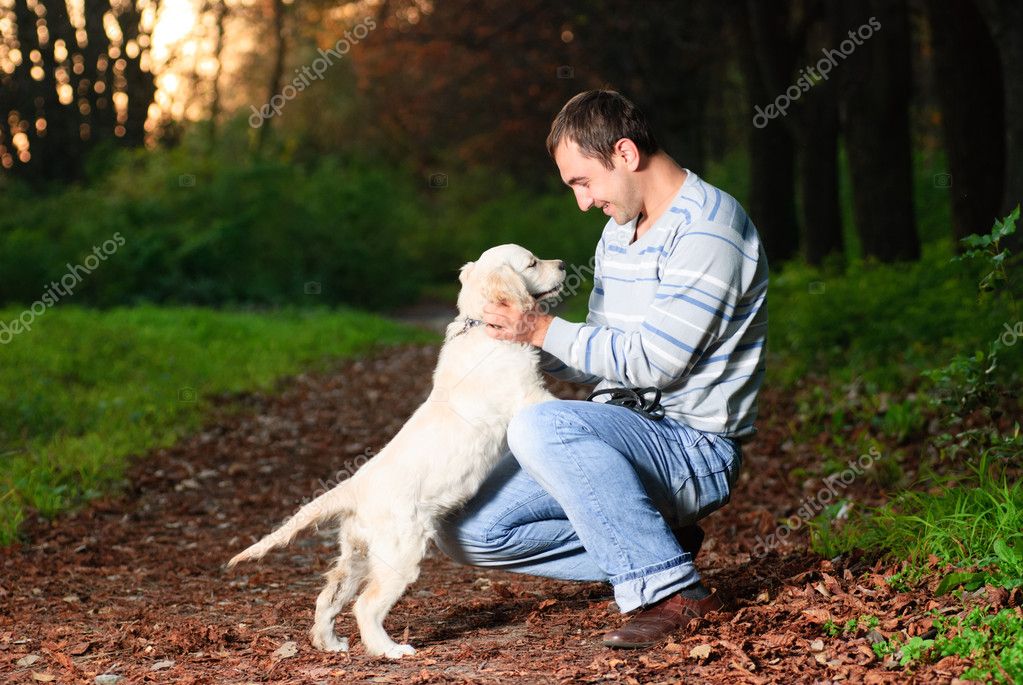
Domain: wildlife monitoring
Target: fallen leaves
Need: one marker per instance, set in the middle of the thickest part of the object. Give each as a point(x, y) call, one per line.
point(133, 595)
point(700, 652)
point(287, 650)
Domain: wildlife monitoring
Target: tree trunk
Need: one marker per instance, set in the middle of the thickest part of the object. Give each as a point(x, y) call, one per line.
point(276, 71)
point(876, 74)
point(1005, 19)
point(772, 201)
point(140, 85)
point(812, 119)
point(972, 113)
point(218, 50)
point(817, 152)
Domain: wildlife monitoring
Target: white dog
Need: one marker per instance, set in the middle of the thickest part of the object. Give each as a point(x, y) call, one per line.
point(388, 510)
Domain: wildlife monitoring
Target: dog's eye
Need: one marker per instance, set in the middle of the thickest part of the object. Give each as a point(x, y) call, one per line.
point(532, 264)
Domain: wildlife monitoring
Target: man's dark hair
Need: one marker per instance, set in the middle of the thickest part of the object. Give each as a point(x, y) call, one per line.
point(597, 119)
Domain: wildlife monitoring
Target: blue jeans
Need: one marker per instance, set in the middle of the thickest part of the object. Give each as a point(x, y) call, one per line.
point(593, 491)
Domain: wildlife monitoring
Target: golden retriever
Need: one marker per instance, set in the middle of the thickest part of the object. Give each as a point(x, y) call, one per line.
point(389, 509)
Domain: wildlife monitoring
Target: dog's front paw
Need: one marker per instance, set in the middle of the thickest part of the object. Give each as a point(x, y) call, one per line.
point(330, 642)
point(398, 651)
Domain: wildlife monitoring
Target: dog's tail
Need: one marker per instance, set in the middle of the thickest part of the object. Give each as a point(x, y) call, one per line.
point(333, 504)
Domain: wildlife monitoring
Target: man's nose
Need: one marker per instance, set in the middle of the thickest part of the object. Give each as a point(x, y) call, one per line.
point(585, 201)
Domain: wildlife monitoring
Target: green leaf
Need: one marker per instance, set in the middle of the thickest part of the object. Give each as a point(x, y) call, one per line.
point(954, 580)
point(1009, 556)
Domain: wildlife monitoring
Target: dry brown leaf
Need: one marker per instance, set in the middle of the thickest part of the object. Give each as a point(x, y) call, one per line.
point(817, 615)
point(700, 652)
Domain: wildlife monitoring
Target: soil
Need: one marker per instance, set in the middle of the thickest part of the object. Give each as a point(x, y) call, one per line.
point(134, 586)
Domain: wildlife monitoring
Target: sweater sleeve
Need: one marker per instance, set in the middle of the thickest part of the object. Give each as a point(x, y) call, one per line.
point(556, 366)
point(696, 299)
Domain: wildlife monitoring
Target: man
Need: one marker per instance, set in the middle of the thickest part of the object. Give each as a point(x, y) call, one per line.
point(597, 490)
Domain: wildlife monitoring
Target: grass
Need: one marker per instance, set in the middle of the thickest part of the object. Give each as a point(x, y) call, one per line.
point(87, 389)
point(972, 520)
point(993, 642)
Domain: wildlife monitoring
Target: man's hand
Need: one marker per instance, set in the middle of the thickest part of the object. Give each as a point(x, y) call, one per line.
point(505, 322)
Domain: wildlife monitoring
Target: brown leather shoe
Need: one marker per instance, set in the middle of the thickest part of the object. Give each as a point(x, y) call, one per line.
point(651, 625)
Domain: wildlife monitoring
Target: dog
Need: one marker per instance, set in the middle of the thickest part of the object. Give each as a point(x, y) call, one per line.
point(388, 511)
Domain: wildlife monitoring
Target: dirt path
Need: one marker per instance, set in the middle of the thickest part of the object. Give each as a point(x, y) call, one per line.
point(134, 586)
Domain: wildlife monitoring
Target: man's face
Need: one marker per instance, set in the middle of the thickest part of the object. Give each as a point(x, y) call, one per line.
point(611, 190)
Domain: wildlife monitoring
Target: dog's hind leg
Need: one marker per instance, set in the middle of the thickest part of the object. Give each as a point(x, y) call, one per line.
point(391, 570)
point(343, 582)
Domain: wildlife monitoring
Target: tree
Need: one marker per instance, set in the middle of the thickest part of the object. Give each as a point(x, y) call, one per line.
point(804, 29)
point(1005, 20)
point(64, 91)
point(875, 76)
point(772, 202)
point(972, 112)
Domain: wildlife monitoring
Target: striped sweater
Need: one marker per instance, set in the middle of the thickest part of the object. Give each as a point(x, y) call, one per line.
point(684, 309)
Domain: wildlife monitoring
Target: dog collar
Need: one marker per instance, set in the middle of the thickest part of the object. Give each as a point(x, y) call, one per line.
point(469, 323)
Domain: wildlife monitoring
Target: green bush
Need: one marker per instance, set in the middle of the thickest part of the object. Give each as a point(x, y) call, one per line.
point(213, 230)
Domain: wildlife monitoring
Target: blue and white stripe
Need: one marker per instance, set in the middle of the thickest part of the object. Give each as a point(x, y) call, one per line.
point(684, 308)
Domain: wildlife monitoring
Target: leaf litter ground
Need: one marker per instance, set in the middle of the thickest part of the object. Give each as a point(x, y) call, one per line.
point(132, 588)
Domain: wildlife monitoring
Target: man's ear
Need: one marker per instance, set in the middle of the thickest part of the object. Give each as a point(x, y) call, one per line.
point(504, 284)
point(627, 151)
point(463, 273)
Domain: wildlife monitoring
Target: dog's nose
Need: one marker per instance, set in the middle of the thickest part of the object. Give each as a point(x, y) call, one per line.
point(561, 264)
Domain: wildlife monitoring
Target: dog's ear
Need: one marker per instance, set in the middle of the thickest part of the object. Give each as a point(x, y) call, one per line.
point(504, 284)
point(463, 273)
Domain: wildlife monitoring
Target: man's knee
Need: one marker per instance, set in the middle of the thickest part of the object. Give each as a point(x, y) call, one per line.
point(474, 548)
point(531, 427)
point(538, 434)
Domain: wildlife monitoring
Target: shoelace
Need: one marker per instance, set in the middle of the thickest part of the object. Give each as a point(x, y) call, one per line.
point(632, 398)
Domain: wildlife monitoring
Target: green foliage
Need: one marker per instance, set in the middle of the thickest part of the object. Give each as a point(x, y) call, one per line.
point(993, 642)
point(974, 520)
point(220, 230)
point(826, 537)
point(902, 420)
point(989, 247)
point(970, 521)
point(93, 388)
point(969, 381)
point(878, 324)
point(914, 649)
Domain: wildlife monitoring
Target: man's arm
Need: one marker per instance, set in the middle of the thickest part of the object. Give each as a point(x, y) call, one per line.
point(699, 297)
point(557, 367)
